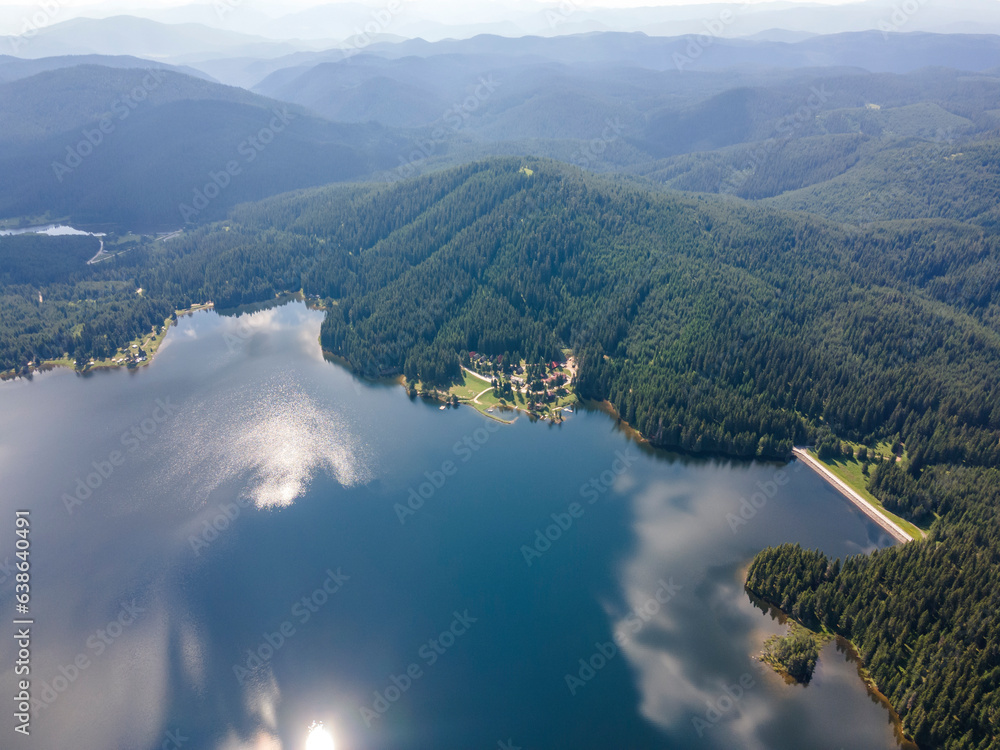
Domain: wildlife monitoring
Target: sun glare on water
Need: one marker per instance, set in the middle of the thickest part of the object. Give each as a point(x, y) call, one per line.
point(319, 739)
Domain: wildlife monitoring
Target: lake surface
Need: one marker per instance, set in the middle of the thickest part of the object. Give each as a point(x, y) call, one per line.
point(246, 561)
point(53, 230)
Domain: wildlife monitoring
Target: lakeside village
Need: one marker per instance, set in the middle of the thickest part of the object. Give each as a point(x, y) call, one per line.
point(137, 353)
point(493, 385)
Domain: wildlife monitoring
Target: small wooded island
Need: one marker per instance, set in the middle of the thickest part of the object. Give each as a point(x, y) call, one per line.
point(795, 653)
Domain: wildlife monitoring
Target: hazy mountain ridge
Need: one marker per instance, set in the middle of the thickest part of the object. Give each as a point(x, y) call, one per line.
point(871, 50)
point(756, 134)
point(141, 37)
point(845, 285)
point(436, 20)
point(14, 68)
point(118, 146)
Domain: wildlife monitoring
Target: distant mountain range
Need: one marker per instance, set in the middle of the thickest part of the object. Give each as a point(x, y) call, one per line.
point(897, 53)
point(717, 44)
point(870, 50)
point(154, 148)
point(130, 35)
point(817, 124)
point(435, 20)
point(14, 68)
point(754, 132)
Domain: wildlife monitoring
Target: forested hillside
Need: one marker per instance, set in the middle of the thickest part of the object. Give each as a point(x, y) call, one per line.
point(129, 148)
point(925, 615)
point(52, 304)
point(746, 232)
point(39, 260)
point(830, 272)
point(711, 327)
point(845, 143)
point(125, 148)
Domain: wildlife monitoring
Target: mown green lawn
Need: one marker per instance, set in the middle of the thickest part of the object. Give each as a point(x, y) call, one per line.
point(849, 472)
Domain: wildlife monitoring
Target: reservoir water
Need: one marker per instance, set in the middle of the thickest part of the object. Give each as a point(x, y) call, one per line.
point(242, 538)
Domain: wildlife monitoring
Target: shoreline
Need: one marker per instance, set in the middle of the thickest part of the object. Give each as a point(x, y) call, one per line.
point(842, 644)
point(886, 523)
point(872, 512)
point(153, 341)
point(554, 413)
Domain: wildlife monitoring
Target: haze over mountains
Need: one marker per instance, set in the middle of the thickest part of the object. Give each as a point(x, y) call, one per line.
point(754, 225)
point(434, 20)
point(127, 146)
point(829, 113)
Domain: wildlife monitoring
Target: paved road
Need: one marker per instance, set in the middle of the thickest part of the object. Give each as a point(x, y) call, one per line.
point(866, 507)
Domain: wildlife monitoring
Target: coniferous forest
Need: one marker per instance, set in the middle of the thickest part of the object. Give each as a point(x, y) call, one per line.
point(712, 326)
point(752, 239)
point(925, 615)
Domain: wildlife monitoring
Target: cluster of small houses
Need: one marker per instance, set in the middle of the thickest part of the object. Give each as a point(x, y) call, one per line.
point(485, 360)
point(132, 357)
point(517, 379)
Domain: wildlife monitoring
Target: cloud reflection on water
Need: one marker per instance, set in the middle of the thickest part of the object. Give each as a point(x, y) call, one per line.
point(275, 436)
point(673, 688)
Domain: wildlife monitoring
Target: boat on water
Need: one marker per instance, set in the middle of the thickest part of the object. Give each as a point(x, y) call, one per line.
point(443, 407)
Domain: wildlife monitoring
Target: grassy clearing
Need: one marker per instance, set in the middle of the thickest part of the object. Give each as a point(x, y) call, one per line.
point(467, 389)
point(849, 472)
point(488, 399)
